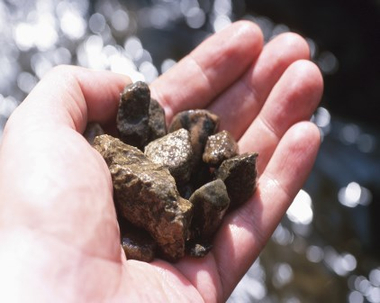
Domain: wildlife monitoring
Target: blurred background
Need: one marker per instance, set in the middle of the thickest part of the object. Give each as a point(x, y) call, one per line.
point(327, 247)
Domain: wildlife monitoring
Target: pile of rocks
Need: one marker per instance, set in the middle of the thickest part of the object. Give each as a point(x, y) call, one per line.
point(172, 186)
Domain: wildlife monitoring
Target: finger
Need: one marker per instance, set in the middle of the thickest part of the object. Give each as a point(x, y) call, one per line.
point(72, 96)
point(246, 230)
point(209, 69)
point(294, 98)
point(243, 101)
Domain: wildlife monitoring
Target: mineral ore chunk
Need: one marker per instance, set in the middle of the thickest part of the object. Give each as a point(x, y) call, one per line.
point(220, 147)
point(157, 121)
point(132, 119)
point(146, 195)
point(210, 204)
point(173, 151)
point(200, 123)
point(239, 174)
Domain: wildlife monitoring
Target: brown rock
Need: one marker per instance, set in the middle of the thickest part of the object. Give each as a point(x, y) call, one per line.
point(239, 174)
point(200, 123)
point(219, 147)
point(210, 204)
point(146, 195)
point(132, 119)
point(173, 151)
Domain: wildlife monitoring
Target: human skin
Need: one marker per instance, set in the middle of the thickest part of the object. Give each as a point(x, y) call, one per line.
point(58, 230)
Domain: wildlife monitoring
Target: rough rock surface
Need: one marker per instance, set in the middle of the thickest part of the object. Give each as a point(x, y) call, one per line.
point(200, 123)
point(157, 121)
point(173, 151)
point(210, 204)
point(140, 119)
point(146, 195)
point(219, 147)
point(239, 174)
point(132, 119)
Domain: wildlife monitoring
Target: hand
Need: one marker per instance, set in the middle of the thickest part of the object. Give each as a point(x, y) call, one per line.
point(58, 230)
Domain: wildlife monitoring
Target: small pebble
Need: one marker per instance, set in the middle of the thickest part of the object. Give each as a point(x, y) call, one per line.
point(132, 119)
point(200, 123)
point(210, 204)
point(239, 174)
point(173, 151)
point(219, 147)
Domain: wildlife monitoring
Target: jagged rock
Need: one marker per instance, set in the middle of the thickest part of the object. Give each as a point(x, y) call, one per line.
point(210, 204)
point(200, 123)
point(173, 151)
point(146, 195)
point(132, 119)
point(219, 147)
point(92, 130)
point(157, 121)
point(239, 174)
point(140, 119)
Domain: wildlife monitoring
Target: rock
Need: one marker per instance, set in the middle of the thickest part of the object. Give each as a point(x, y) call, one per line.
point(239, 174)
point(132, 119)
point(138, 244)
point(210, 204)
point(219, 147)
point(198, 250)
point(92, 130)
point(200, 123)
point(157, 121)
point(146, 195)
point(173, 151)
point(140, 119)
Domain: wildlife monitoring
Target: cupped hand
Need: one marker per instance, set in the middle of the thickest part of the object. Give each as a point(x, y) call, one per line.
point(58, 230)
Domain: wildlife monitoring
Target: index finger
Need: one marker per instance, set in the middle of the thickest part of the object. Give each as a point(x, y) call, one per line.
point(210, 69)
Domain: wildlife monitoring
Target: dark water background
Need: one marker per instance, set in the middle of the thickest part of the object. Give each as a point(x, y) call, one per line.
point(327, 247)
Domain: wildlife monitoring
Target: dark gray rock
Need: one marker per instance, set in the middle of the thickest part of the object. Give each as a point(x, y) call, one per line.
point(146, 195)
point(200, 123)
point(173, 151)
point(157, 121)
point(219, 147)
point(239, 174)
point(210, 204)
point(132, 119)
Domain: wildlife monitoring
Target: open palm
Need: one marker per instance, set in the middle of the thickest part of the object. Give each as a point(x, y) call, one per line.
point(58, 230)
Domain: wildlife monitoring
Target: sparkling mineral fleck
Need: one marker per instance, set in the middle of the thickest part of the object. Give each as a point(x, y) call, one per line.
point(173, 151)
